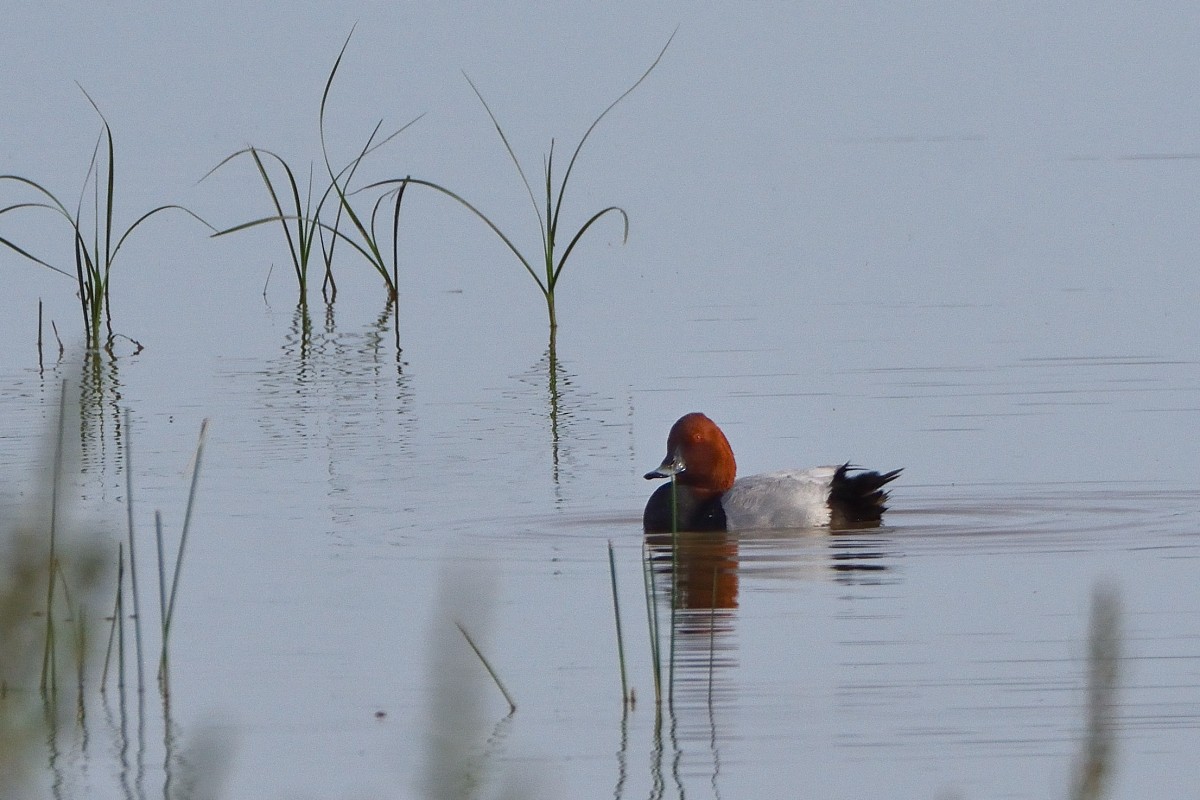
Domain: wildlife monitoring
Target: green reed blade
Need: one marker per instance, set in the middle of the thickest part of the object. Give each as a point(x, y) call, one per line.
point(603, 114)
point(340, 180)
point(470, 207)
point(512, 706)
point(396, 257)
point(651, 592)
point(612, 572)
point(57, 206)
point(299, 263)
point(111, 180)
point(162, 578)
point(579, 235)
point(21, 251)
point(549, 219)
point(169, 612)
point(542, 223)
point(298, 244)
point(152, 212)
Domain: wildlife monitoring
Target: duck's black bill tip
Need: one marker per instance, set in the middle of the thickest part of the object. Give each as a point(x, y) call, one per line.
point(655, 474)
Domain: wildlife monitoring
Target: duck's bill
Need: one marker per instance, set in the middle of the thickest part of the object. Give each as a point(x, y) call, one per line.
point(671, 465)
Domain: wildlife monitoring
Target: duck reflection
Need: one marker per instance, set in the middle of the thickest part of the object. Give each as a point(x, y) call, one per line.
point(694, 585)
point(694, 582)
point(861, 558)
point(693, 588)
point(701, 570)
point(704, 567)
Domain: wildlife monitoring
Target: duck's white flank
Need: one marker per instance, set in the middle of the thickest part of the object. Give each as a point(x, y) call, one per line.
point(790, 498)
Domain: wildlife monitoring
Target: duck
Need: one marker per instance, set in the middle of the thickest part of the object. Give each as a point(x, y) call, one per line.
point(710, 497)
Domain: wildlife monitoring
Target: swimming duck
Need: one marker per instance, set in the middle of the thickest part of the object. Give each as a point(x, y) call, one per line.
point(709, 498)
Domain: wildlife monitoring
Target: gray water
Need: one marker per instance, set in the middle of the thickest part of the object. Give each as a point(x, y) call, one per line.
point(956, 240)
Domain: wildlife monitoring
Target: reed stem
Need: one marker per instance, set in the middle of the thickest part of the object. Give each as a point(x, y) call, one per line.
point(512, 706)
point(674, 588)
point(81, 644)
point(39, 339)
point(133, 582)
point(158, 541)
point(612, 571)
point(112, 630)
point(162, 597)
point(169, 613)
point(652, 620)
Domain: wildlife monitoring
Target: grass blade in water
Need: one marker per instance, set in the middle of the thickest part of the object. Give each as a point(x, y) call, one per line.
point(612, 571)
point(511, 705)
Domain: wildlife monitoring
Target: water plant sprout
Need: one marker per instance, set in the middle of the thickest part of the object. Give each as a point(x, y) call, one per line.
point(299, 244)
point(370, 243)
point(306, 218)
point(548, 213)
point(93, 259)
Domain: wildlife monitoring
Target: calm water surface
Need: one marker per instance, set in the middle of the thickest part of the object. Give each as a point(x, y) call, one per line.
point(943, 253)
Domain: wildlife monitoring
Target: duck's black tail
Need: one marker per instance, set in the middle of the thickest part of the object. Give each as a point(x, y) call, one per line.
point(858, 500)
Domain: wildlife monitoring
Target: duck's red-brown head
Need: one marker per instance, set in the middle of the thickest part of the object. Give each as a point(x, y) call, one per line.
point(699, 456)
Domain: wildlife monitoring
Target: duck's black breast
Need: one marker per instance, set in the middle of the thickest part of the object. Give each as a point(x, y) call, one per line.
point(690, 513)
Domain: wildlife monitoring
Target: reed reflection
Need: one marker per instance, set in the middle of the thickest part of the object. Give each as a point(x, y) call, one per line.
point(307, 352)
point(693, 587)
point(578, 423)
point(94, 388)
point(694, 583)
point(101, 426)
point(298, 343)
point(329, 367)
point(695, 579)
point(554, 401)
point(339, 395)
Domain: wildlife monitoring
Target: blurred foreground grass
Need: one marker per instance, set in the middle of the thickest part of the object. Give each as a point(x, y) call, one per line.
point(52, 581)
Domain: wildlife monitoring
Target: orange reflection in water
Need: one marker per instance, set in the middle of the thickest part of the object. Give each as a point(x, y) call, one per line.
point(705, 565)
